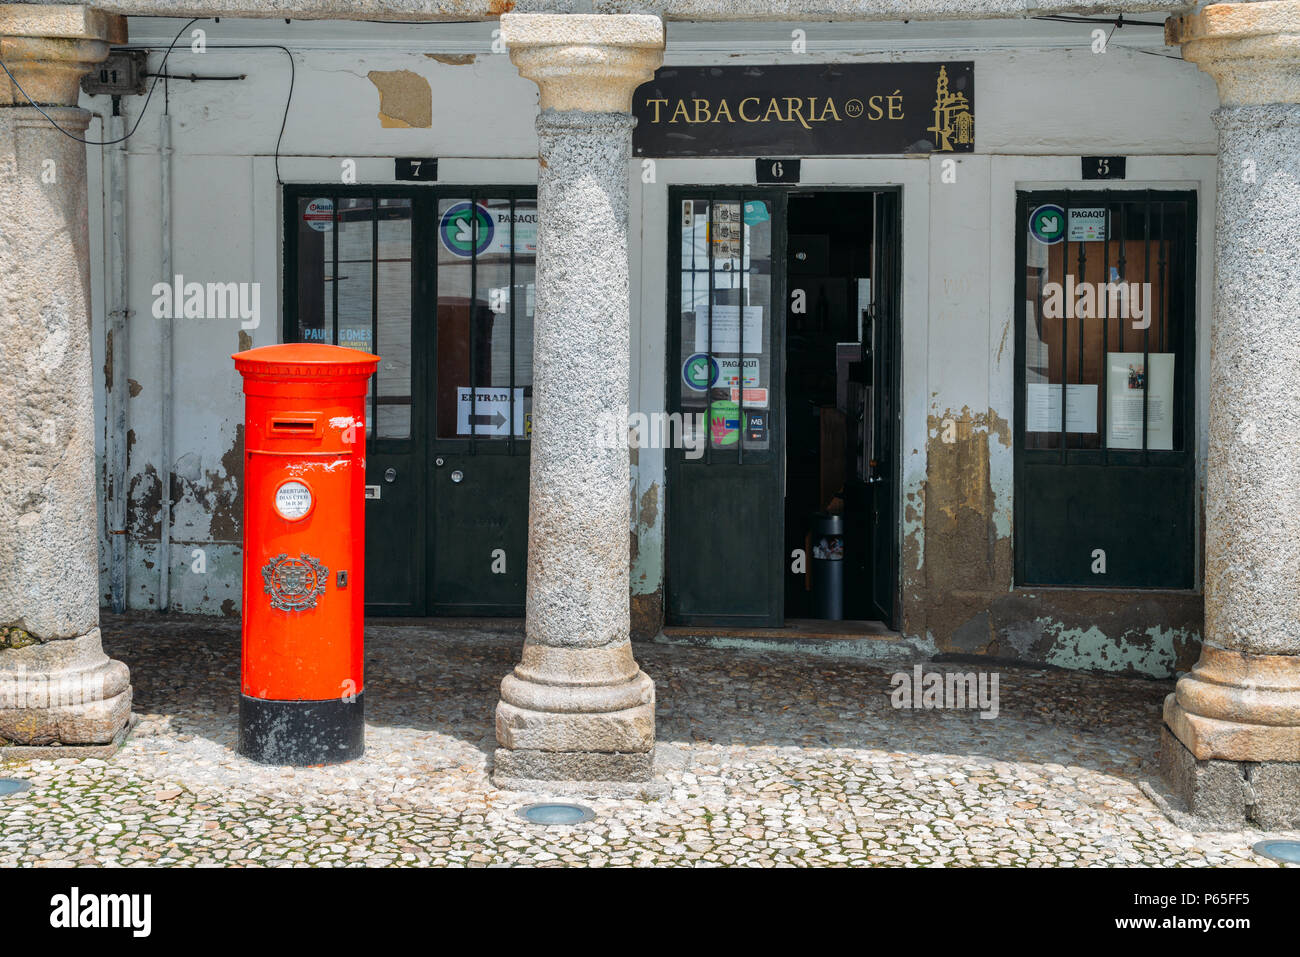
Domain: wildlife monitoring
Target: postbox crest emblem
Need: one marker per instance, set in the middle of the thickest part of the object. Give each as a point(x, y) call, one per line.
point(294, 584)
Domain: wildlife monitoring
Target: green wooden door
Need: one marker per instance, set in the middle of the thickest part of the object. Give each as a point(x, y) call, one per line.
point(1105, 389)
point(439, 283)
point(724, 493)
point(353, 262)
point(482, 395)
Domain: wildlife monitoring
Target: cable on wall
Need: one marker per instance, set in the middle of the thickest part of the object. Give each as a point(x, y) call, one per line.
point(162, 74)
point(148, 96)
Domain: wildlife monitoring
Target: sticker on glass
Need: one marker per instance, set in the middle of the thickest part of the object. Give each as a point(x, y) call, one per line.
point(1047, 224)
point(319, 215)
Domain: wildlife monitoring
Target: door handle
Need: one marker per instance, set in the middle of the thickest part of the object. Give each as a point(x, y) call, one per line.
point(390, 475)
point(457, 476)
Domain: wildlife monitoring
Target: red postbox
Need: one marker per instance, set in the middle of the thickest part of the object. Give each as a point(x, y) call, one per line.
point(301, 682)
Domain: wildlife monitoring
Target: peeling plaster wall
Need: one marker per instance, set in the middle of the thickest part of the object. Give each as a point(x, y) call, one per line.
point(405, 99)
point(955, 498)
point(961, 599)
point(369, 102)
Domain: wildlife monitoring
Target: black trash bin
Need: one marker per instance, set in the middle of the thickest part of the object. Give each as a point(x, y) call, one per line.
point(828, 566)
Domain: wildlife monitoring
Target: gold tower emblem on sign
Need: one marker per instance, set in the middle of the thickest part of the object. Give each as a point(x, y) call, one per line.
point(953, 120)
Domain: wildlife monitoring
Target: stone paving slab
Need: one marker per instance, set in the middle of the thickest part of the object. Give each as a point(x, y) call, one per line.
point(766, 760)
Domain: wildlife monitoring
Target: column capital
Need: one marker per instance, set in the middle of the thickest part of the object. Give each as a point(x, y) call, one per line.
point(49, 47)
point(1251, 49)
point(588, 62)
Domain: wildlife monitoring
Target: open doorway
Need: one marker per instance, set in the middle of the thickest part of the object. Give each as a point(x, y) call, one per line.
point(839, 406)
point(785, 349)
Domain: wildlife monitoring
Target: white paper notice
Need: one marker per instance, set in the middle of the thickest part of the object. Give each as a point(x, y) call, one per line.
point(1129, 381)
point(1088, 225)
point(1043, 408)
point(486, 411)
point(726, 329)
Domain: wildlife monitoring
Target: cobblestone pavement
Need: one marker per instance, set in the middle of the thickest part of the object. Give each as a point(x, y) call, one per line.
point(770, 760)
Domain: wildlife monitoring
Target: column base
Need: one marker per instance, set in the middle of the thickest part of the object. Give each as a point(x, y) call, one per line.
point(1213, 739)
point(78, 752)
point(545, 746)
point(575, 714)
point(65, 691)
point(535, 770)
point(1234, 706)
point(628, 730)
point(1231, 795)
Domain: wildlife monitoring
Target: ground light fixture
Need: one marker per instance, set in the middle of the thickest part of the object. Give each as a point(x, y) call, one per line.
point(1288, 852)
point(552, 815)
point(12, 786)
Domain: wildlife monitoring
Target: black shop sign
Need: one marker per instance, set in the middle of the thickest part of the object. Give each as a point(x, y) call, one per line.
point(840, 109)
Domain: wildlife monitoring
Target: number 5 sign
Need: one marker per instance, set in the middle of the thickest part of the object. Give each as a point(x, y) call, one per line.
point(1104, 167)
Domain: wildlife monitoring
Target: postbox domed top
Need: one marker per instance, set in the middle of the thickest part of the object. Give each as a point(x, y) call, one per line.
point(305, 360)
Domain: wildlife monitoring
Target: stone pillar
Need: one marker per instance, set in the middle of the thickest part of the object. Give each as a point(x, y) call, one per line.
point(56, 684)
point(577, 707)
point(1231, 741)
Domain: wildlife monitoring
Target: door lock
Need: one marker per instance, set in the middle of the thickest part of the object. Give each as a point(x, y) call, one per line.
point(440, 461)
point(390, 475)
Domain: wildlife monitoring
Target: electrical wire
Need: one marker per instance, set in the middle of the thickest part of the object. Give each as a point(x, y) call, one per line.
point(422, 23)
point(161, 74)
point(293, 75)
point(147, 98)
point(1119, 21)
point(1163, 56)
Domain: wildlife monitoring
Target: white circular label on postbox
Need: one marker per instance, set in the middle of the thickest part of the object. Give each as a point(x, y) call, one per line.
point(293, 500)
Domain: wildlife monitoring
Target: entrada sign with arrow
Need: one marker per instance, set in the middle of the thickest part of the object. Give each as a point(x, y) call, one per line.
point(486, 412)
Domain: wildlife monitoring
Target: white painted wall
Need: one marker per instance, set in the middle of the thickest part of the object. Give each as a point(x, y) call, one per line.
point(1042, 98)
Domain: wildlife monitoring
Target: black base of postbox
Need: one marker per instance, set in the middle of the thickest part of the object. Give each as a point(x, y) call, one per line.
point(302, 733)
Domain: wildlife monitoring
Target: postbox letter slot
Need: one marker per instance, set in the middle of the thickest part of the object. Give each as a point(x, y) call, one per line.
point(297, 426)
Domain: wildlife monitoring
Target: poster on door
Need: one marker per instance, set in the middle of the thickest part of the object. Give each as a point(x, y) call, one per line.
point(727, 330)
point(1043, 407)
point(1131, 383)
point(485, 412)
